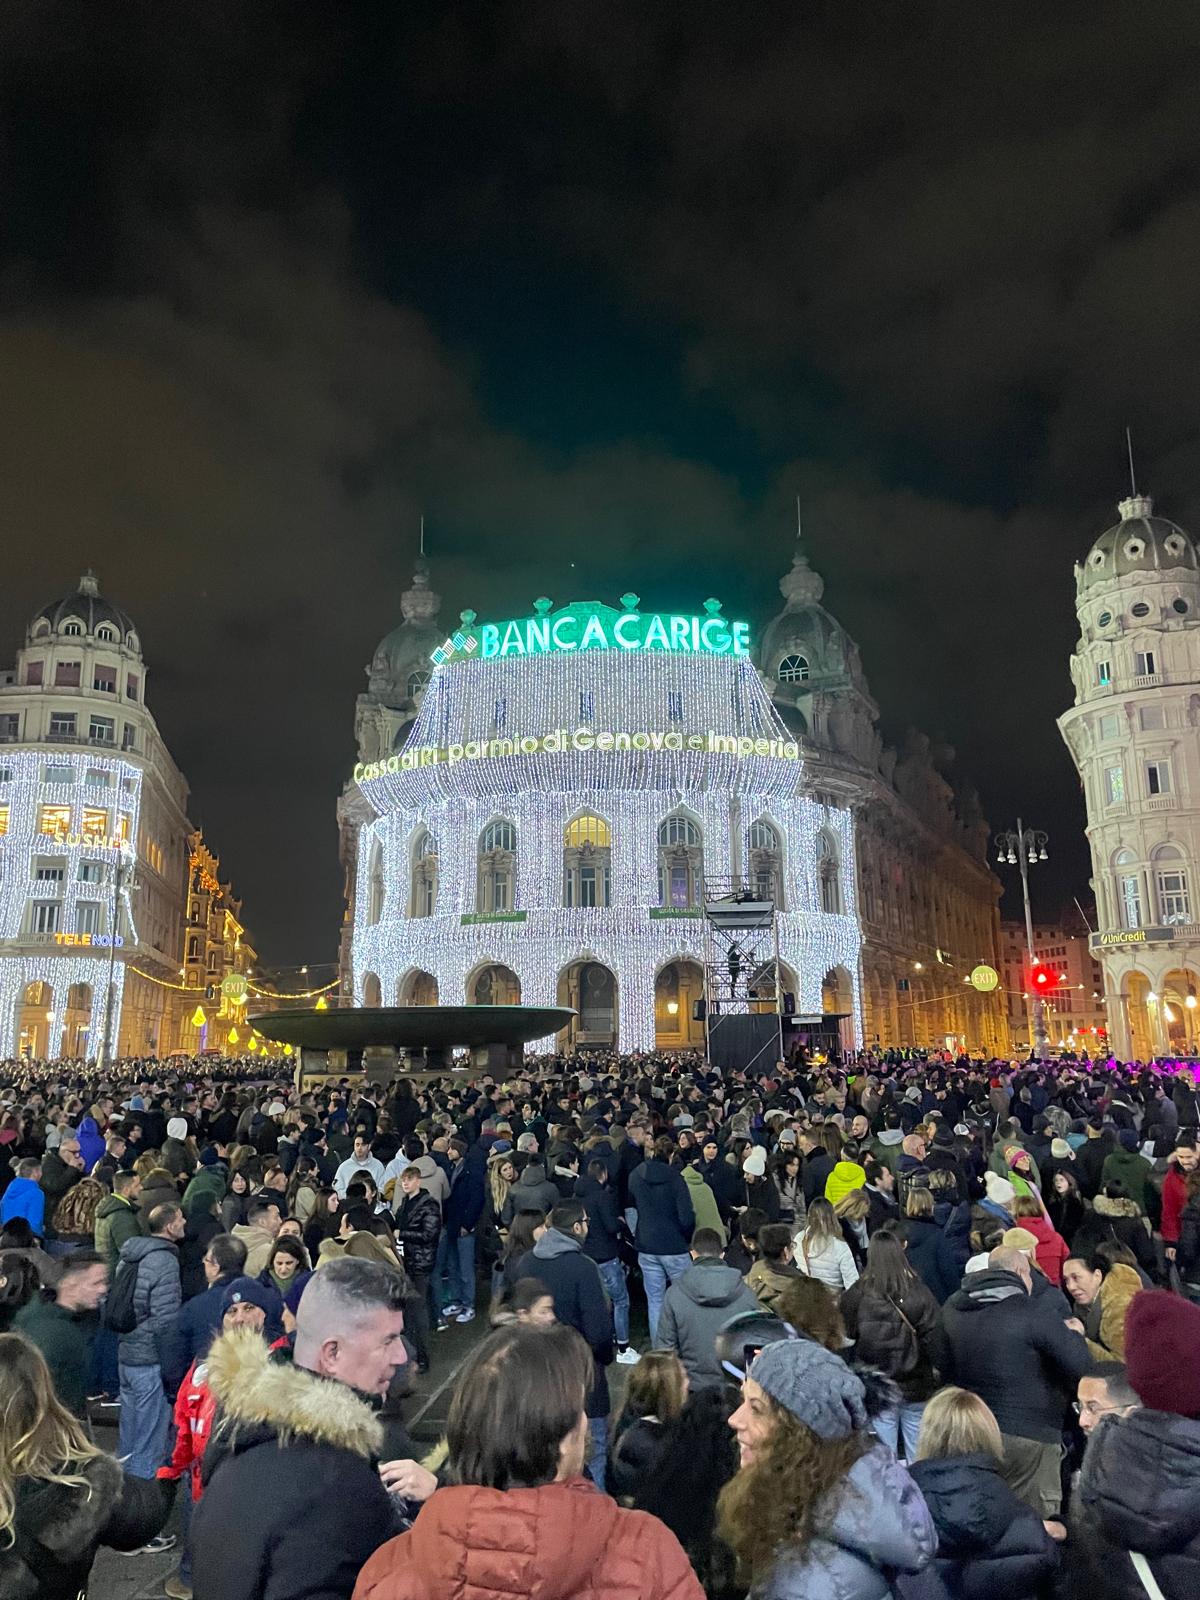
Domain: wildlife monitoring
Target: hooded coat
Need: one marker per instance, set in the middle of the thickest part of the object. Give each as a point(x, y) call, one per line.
point(1139, 1489)
point(704, 1204)
point(563, 1541)
point(872, 1526)
point(694, 1310)
point(995, 1341)
point(769, 1280)
point(91, 1143)
point(156, 1301)
point(990, 1545)
point(1129, 1171)
point(116, 1222)
point(1105, 1322)
point(533, 1191)
point(666, 1219)
point(843, 1180)
point(58, 1529)
point(293, 1502)
point(1121, 1221)
point(558, 1260)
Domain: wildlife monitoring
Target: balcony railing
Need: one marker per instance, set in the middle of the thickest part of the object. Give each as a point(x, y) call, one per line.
point(1161, 802)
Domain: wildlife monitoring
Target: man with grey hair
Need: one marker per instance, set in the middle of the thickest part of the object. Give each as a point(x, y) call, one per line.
point(1023, 1362)
point(293, 1501)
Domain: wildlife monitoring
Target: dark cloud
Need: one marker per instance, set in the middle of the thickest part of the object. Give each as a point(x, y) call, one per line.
point(599, 289)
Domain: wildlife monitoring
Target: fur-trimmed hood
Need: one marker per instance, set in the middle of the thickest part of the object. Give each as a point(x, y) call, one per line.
point(64, 1522)
point(1120, 1206)
point(259, 1397)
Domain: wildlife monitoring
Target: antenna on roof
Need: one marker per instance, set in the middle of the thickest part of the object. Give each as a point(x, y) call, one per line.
point(422, 536)
point(1129, 448)
point(799, 523)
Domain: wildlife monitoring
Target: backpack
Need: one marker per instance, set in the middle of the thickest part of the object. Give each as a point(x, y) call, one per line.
point(119, 1314)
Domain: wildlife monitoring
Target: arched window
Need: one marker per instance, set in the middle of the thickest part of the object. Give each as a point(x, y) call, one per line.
point(194, 948)
point(1170, 876)
point(375, 887)
point(766, 862)
point(131, 639)
point(829, 874)
point(424, 875)
point(106, 633)
point(416, 683)
point(73, 627)
point(680, 862)
point(793, 669)
point(497, 867)
point(587, 861)
point(1129, 889)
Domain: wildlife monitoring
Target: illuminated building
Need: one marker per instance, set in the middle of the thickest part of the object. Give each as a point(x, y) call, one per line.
point(215, 960)
point(1132, 735)
point(1076, 1018)
point(93, 837)
point(538, 803)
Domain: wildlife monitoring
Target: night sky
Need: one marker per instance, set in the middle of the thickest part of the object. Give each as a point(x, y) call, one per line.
point(599, 284)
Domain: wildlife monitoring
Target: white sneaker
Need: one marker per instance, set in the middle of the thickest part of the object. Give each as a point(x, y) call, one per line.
point(467, 1314)
point(628, 1358)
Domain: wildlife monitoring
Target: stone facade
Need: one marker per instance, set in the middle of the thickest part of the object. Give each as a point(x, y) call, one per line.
point(1132, 733)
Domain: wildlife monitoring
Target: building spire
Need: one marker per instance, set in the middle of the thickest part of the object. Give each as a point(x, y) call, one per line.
point(422, 536)
point(1137, 505)
point(800, 586)
point(1132, 478)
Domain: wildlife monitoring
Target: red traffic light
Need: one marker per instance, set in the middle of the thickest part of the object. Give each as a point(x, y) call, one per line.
point(1040, 976)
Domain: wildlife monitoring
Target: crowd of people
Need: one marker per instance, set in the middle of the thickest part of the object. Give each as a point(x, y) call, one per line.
point(899, 1325)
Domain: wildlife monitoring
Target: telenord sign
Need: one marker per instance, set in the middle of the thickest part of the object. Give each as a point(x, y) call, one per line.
point(590, 625)
point(985, 978)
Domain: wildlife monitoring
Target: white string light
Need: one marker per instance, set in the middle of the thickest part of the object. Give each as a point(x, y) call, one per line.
point(632, 790)
point(62, 967)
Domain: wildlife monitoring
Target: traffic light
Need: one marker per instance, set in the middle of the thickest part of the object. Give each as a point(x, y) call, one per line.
point(1040, 978)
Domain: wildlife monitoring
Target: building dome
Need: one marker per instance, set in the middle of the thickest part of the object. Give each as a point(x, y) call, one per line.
point(88, 609)
point(1137, 546)
point(400, 667)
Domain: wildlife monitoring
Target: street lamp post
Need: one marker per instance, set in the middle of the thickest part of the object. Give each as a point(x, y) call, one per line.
point(1023, 846)
point(121, 870)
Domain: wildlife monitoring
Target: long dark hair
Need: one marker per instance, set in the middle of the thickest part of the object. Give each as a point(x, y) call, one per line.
point(520, 1234)
point(887, 1271)
point(697, 1459)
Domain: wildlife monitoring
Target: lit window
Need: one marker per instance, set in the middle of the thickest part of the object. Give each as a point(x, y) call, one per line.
point(586, 861)
point(95, 822)
point(680, 863)
point(55, 821)
point(793, 669)
point(1114, 785)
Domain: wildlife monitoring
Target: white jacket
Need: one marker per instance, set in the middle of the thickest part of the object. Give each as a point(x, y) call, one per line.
point(833, 1265)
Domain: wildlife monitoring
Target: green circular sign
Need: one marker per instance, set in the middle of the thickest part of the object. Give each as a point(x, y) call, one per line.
point(985, 978)
point(234, 988)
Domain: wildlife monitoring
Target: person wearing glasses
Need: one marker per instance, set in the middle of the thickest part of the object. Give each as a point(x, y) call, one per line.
point(1105, 1392)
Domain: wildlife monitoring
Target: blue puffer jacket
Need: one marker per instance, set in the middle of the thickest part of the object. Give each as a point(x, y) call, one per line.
point(156, 1301)
point(666, 1219)
point(872, 1527)
point(990, 1545)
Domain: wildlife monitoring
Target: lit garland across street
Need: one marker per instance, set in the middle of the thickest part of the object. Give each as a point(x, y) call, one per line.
point(538, 740)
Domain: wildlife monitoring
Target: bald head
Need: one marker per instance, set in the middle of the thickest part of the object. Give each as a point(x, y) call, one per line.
point(1006, 1259)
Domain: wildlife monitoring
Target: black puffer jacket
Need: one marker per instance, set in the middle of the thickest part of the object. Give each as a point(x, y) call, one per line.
point(59, 1529)
point(903, 1349)
point(990, 1545)
point(1139, 1489)
point(418, 1224)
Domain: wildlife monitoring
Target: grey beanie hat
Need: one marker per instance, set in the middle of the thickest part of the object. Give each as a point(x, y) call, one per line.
point(816, 1386)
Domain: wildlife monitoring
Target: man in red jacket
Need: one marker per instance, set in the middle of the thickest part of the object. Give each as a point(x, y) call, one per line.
point(1174, 1193)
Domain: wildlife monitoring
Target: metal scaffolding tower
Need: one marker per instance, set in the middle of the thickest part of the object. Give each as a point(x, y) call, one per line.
point(743, 991)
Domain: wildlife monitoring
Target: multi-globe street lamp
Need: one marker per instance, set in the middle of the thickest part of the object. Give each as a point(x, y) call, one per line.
point(1023, 847)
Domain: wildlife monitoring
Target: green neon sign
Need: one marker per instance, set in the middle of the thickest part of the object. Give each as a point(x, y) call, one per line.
point(590, 625)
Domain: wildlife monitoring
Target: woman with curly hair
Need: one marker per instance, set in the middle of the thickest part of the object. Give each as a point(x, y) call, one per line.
point(75, 1214)
point(819, 1509)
